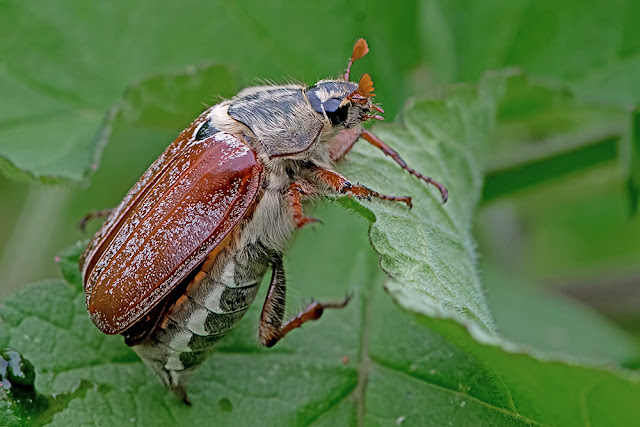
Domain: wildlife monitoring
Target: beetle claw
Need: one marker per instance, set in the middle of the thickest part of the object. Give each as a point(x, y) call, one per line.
point(181, 393)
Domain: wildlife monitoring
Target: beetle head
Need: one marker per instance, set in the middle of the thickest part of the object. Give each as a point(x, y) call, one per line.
point(344, 103)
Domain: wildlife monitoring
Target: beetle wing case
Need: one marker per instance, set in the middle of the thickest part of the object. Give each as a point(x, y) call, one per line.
point(195, 194)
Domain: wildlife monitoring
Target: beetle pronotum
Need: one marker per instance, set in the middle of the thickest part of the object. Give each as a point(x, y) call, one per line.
point(179, 260)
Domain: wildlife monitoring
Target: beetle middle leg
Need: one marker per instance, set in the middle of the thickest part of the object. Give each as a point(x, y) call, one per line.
point(343, 143)
point(342, 185)
point(271, 328)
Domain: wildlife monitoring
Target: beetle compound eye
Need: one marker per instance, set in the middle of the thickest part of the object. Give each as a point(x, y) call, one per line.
point(336, 113)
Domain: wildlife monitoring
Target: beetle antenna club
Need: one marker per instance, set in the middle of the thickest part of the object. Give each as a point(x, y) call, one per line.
point(179, 261)
point(360, 49)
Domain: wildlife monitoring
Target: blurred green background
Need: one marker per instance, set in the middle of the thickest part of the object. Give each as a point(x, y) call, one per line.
point(558, 207)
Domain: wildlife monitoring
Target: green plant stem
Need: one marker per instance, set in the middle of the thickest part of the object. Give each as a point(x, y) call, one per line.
point(549, 166)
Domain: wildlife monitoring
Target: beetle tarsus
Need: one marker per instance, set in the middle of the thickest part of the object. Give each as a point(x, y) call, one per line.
point(338, 304)
point(372, 116)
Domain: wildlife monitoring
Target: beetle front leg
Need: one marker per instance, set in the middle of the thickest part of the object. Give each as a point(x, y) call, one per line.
point(343, 143)
point(342, 185)
point(271, 328)
point(296, 191)
point(378, 143)
point(347, 138)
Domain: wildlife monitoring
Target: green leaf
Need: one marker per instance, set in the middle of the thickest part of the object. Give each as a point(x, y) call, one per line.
point(593, 45)
point(428, 251)
point(551, 326)
point(496, 387)
point(64, 66)
point(372, 362)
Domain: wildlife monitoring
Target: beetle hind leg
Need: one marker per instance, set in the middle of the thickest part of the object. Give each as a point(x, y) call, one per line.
point(272, 329)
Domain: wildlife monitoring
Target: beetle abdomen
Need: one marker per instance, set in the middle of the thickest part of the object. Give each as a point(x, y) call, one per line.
point(208, 310)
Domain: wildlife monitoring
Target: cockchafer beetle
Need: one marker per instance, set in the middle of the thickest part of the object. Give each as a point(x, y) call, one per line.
point(179, 260)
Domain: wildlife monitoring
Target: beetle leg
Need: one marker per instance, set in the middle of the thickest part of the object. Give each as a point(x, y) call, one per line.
point(377, 142)
point(273, 308)
point(342, 185)
point(296, 190)
point(82, 225)
point(343, 143)
point(271, 328)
